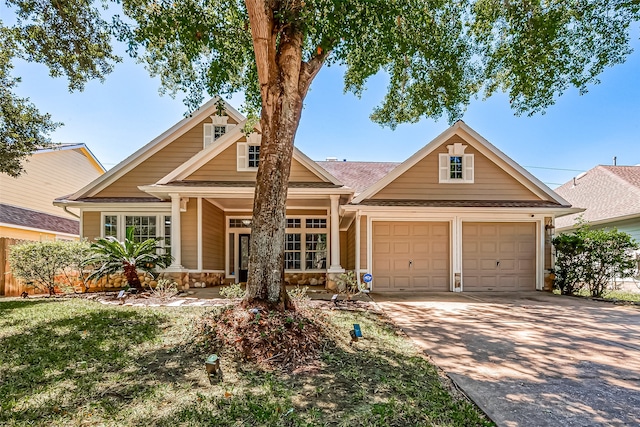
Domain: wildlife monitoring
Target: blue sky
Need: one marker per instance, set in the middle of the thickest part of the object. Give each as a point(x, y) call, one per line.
point(117, 117)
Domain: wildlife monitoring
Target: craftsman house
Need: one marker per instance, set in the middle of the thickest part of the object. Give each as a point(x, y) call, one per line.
point(458, 215)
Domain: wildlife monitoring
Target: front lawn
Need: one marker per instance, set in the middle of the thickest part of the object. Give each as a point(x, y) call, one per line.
point(76, 362)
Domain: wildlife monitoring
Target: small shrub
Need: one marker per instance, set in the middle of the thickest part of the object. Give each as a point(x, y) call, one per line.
point(165, 289)
point(348, 284)
point(592, 258)
point(299, 293)
point(45, 265)
point(232, 291)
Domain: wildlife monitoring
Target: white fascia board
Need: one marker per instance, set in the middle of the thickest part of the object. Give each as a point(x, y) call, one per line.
point(38, 230)
point(319, 171)
point(240, 192)
point(204, 156)
point(153, 147)
point(496, 211)
point(114, 206)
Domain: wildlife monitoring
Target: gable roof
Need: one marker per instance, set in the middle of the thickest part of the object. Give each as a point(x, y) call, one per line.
point(609, 193)
point(358, 175)
point(81, 147)
point(28, 218)
point(154, 146)
point(224, 142)
point(470, 136)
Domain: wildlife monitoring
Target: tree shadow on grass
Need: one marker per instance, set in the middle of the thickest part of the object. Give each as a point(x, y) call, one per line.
point(58, 360)
point(370, 383)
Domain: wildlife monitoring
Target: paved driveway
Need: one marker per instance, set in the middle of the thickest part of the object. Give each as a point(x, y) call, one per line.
point(531, 359)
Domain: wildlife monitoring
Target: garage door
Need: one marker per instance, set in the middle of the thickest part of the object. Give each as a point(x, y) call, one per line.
point(498, 256)
point(410, 256)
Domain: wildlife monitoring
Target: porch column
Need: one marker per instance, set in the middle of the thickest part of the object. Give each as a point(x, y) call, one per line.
point(176, 247)
point(334, 229)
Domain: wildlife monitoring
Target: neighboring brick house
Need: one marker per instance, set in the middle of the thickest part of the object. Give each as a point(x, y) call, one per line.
point(458, 215)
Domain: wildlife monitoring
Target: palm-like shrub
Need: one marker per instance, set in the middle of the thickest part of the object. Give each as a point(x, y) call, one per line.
point(109, 256)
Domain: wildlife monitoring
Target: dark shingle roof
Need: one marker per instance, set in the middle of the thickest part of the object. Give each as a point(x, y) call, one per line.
point(607, 193)
point(39, 220)
point(463, 203)
point(358, 175)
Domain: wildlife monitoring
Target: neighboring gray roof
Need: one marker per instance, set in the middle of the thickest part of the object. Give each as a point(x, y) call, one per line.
point(358, 175)
point(463, 203)
point(608, 193)
point(33, 219)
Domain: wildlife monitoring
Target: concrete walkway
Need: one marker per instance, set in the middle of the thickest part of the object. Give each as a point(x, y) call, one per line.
point(531, 359)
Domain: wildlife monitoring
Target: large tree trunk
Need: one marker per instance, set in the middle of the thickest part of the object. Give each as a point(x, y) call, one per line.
point(284, 81)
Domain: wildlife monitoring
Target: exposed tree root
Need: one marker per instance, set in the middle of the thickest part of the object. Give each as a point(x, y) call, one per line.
point(273, 339)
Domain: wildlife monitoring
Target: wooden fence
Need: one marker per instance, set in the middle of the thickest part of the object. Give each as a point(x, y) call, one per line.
point(9, 285)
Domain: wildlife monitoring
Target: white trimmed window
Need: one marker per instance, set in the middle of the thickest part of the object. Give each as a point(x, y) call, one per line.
point(305, 245)
point(144, 226)
point(215, 129)
point(248, 156)
point(455, 167)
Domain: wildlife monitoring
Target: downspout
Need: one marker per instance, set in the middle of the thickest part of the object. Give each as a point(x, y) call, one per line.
point(66, 209)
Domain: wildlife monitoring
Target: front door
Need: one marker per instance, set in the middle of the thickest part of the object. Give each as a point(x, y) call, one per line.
point(243, 257)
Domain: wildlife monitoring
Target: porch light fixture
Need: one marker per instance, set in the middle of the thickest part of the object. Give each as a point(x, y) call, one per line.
point(246, 222)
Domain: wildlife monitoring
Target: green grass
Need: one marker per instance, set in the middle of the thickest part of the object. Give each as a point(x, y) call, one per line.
point(623, 295)
point(66, 362)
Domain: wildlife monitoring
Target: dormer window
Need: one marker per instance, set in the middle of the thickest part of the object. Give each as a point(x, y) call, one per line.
point(249, 153)
point(455, 166)
point(215, 129)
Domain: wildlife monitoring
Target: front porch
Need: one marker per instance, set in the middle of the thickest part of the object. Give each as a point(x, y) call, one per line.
point(211, 231)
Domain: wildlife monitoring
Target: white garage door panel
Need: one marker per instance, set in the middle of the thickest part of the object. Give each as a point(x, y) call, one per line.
point(498, 256)
point(411, 255)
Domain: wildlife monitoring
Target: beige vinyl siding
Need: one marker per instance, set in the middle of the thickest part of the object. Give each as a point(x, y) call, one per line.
point(48, 175)
point(421, 181)
point(158, 165)
point(212, 237)
point(343, 249)
point(363, 242)
point(351, 247)
point(189, 235)
point(91, 225)
point(307, 212)
point(224, 168)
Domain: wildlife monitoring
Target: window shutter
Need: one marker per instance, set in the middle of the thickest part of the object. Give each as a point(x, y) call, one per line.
point(444, 167)
point(208, 134)
point(242, 155)
point(467, 162)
